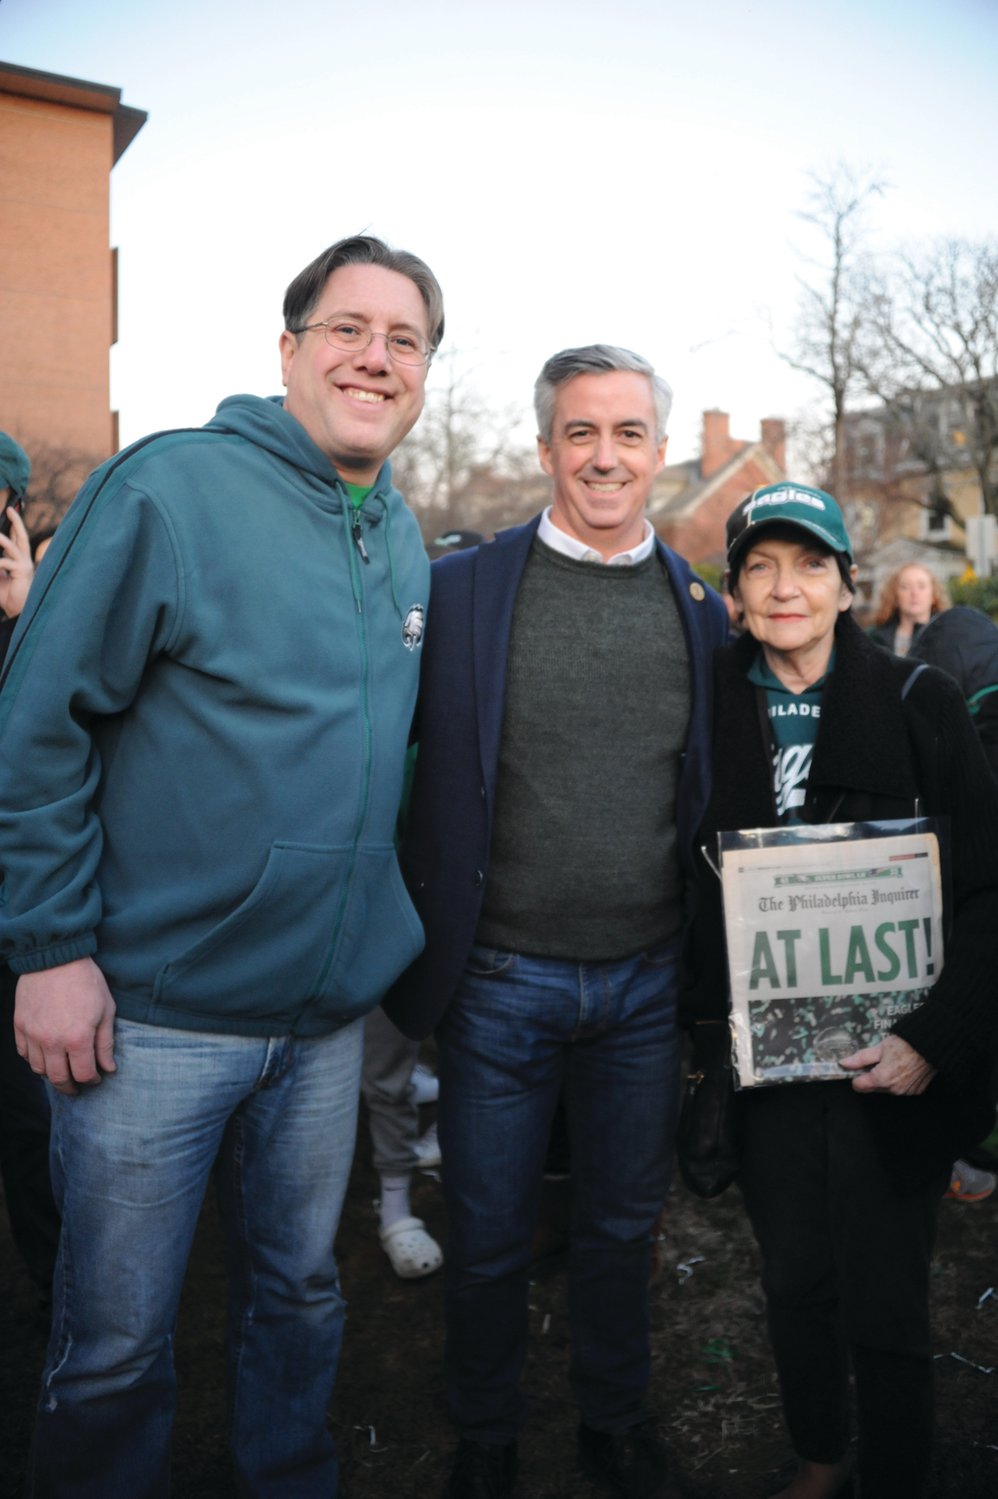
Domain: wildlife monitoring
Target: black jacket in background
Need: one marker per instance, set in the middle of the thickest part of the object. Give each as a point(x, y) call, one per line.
point(963, 642)
point(883, 635)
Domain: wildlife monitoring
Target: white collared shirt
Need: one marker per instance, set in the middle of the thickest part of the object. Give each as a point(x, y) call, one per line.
point(570, 546)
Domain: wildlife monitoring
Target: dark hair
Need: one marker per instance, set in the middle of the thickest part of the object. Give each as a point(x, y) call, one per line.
point(787, 531)
point(362, 249)
point(37, 537)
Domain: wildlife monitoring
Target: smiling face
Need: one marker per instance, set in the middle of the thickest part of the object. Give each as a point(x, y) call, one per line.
point(357, 406)
point(603, 457)
point(791, 594)
point(915, 591)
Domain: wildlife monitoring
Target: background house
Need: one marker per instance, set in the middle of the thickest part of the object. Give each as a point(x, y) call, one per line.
point(691, 501)
point(916, 471)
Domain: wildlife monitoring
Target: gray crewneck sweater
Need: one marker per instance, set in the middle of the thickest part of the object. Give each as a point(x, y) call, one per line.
point(583, 862)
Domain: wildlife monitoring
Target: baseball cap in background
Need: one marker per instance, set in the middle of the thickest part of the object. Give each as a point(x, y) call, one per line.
point(790, 505)
point(15, 466)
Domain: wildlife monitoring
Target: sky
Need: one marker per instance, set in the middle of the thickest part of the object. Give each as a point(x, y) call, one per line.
point(631, 173)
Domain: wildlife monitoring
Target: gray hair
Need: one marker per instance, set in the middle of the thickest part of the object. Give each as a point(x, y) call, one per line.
point(302, 295)
point(595, 359)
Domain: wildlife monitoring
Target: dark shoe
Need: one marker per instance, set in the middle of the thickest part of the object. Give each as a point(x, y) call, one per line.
point(482, 1470)
point(633, 1463)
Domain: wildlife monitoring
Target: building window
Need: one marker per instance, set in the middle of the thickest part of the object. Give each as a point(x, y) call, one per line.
point(936, 525)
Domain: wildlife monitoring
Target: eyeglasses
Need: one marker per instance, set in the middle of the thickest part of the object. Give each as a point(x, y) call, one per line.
point(403, 347)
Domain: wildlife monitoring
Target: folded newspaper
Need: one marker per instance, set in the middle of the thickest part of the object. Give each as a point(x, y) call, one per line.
point(833, 932)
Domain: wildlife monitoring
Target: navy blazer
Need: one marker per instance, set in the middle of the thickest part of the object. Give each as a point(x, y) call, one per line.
point(445, 850)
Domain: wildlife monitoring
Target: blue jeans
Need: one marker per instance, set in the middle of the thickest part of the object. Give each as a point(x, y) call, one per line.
point(519, 1030)
point(131, 1160)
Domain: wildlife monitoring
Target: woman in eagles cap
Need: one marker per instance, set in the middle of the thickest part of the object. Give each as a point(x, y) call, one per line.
point(842, 1179)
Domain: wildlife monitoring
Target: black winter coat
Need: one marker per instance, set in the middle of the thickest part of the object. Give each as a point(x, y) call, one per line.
point(883, 635)
point(963, 643)
point(875, 754)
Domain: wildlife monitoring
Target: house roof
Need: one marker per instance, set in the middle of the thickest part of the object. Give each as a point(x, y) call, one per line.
point(684, 490)
point(76, 93)
point(942, 556)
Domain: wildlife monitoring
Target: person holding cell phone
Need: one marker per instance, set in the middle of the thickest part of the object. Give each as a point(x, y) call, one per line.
point(24, 1109)
point(16, 566)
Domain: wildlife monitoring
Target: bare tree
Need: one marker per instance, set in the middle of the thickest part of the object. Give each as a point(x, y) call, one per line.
point(830, 310)
point(57, 471)
point(930, 355)
point(464, 464)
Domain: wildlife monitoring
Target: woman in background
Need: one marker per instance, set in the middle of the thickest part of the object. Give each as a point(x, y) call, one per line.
point(908, 600)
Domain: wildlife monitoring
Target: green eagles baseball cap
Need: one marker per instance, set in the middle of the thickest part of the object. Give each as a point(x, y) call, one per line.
point(15, 466)
point(789, 505)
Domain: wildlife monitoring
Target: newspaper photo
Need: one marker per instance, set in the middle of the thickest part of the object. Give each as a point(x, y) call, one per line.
point(833, 932)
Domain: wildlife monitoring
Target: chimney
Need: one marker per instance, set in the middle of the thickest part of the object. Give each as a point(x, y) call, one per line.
point(716, 442)
point(774, 439)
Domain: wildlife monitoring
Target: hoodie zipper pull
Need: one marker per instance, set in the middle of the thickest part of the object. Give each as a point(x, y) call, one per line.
point(358, 538)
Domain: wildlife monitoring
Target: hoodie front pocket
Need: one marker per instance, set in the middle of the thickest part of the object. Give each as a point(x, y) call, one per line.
point(380, 935)
point(266, 959)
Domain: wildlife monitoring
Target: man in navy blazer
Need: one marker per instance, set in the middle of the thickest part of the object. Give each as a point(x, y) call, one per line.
point(561, 775)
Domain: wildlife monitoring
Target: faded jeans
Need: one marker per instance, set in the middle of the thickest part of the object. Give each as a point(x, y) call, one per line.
point(131, 1159)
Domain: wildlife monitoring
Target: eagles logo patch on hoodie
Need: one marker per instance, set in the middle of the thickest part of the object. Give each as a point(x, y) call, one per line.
point(412, 627)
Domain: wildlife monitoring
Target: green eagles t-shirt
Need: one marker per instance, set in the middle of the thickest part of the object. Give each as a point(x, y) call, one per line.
point(793, 722)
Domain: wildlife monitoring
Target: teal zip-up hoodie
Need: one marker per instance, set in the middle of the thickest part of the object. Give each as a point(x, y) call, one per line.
point(203, 727)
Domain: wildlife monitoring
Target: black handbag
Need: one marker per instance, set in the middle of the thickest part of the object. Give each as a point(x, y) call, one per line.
point(707, 1140)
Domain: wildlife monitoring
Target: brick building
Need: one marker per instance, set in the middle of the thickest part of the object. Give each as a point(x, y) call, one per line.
point(59, 139)
point(691, 501)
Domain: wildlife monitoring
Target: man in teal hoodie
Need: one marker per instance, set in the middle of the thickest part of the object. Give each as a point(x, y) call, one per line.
point(202, 730)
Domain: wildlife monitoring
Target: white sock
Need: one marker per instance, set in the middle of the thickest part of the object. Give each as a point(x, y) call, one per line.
point(394, 1199)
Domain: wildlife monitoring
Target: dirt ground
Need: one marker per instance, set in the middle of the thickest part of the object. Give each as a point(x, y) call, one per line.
point(713, 1383)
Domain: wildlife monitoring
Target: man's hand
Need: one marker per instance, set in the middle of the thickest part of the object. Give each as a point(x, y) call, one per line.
point(16, 566)
point(892, 1067)
point(64, 1024)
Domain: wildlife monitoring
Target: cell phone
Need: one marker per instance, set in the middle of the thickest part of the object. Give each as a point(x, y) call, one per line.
point(17, 505)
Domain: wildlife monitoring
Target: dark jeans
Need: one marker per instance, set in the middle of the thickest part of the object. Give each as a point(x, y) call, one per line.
point(846, 1274)
point(24, 1151)
point(518, 1028)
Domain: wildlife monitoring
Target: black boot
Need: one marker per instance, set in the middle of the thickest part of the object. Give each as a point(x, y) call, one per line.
point(482, 1470)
